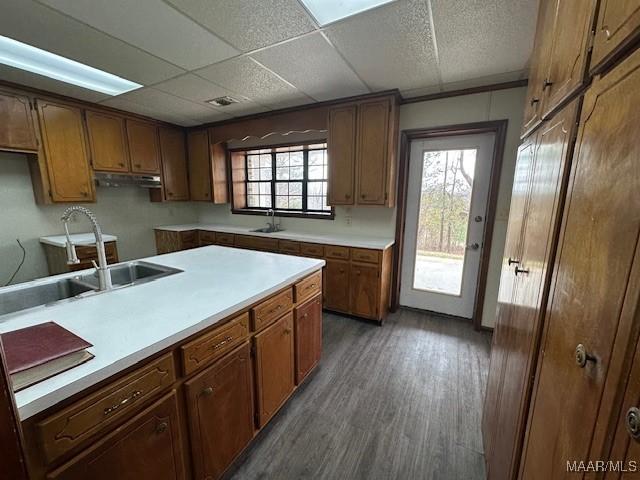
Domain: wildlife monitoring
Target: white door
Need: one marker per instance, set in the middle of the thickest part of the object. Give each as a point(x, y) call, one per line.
point(446, 208)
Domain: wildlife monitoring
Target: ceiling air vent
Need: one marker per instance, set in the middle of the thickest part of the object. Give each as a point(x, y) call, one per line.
point(222, 101)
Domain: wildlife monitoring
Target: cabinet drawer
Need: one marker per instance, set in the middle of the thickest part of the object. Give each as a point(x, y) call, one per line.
point(225, 238)
point(206, 238)
point(189, 239)
point(312, 249)
point(70, 427)
point(310, 286)
point(332, 251)
point(215, 344)
point(257, 243)
point(272, 309)
point(89, 252)
point(363, 255)
point(287, 246)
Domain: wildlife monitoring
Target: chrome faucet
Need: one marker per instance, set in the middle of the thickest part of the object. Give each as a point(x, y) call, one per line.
point(102, 270)
point(272, 224)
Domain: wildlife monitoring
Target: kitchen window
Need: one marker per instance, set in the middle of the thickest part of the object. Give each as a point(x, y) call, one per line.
point(290, 179)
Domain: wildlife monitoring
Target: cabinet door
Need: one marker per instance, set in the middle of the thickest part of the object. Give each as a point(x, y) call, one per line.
point(364, 290)
point(569, 52)
point(107, 142)
point(539, 65)
point(308, 333)
point(533, 273)
point(617, 28)
point(174, 164)
point(143, 147)
point(501, 332)
point(336, 285)
point(341, 154)
point(372, 152)
point(220, 406)
point(218, 158)
point(147, 446)
point(591, 302)
point(65, 148)
point(17, 130)
point(199, 165)
point(274, 367)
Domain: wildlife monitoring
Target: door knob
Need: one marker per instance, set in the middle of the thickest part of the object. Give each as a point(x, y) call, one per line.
point(473, 246)
point(582, 357)
point(632, 422)
point(522, 270)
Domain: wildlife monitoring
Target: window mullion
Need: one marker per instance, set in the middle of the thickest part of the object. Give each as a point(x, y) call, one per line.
point(273, 180)
point(305, 178)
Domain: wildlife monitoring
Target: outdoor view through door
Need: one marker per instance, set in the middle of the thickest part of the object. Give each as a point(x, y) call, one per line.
point(447, 196)
point(443, 219)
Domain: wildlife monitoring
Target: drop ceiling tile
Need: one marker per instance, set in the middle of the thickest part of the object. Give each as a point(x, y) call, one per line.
point(153, 26)
point(191, 87)
point(245, 77)
point(313, 65)
point(47, 84)
point(464, 84)
point(249, 24)
point(42, 27)
point(129, 106)
point(389, 47)
point(477, 39)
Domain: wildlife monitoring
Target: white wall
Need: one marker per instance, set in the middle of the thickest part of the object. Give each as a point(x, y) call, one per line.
point(125, 212)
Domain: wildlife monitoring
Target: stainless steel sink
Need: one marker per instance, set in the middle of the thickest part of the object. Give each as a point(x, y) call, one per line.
point(268, 229)
point(42, 293)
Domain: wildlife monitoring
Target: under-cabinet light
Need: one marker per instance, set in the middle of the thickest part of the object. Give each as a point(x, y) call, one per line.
point(328, 11)
point(25, 57)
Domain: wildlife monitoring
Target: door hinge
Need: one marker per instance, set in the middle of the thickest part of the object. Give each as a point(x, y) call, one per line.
point(592, 39)
point(256, 418)
point(252, 351)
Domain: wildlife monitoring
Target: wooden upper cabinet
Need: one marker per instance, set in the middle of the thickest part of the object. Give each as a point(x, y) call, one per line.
point(173, 151)
point(17, 129)
point(617, 27)
point(274, 351)
point(65, 149)
point(144, 147)
point(107, 142)
point(373, 151)
point(341, 152)
point(364, 290)
point(207, 168)
point(218, 154)
point(147, 446)
point(571, 27)
point(220, 406)
point(593, 304)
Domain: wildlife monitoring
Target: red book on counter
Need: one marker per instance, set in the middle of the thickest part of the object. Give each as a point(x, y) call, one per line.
point(36, 353)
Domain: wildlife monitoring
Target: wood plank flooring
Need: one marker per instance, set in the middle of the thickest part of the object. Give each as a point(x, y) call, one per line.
point(402, 401)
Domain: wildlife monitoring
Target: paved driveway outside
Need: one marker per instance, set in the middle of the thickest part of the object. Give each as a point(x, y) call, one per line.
point(438, 273)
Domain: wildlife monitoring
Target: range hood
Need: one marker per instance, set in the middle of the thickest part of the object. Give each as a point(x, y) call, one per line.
point(120, 180)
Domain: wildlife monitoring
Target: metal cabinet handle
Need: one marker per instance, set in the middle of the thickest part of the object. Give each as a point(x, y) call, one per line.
point(513, 261)
point(123, 402)
point(546, 83)
point(207, 391)
point(522, 270)
point(582, 356)
point(222, 343)
point(632, 422)
point(287, 331)
point(534, 101)
point(161, 427)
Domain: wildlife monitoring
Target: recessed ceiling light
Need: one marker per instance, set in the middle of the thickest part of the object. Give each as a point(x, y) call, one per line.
point(327, 11)
point(25, 57)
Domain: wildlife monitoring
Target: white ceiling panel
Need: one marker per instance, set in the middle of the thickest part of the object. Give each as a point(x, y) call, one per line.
point(245, 77)
point(42, 27)
point(313, 66)
point(47, 84)
point(153, 26)
point(475, 82)
point(477, 39)
point(389, 47)
point(191, 87)
point(158, 112)
point(249, 24)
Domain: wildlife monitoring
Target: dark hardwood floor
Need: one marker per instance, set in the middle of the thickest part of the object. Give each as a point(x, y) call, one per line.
point(402, 401)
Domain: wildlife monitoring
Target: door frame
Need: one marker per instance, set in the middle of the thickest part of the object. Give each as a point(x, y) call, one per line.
point(499, 129)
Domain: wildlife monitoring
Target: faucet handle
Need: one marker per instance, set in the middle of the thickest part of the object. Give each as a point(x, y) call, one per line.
point(72, 256)
point(95, 265)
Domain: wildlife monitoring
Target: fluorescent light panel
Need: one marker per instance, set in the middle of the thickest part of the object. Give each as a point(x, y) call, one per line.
point(328, 11)
point(25, 57)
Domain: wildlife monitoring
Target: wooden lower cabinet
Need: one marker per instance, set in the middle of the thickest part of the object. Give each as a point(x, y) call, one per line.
point(308, 329)
point(364, 290)
point(274, 362)
point(147, 446)
point(220, 411)
point(336, 274)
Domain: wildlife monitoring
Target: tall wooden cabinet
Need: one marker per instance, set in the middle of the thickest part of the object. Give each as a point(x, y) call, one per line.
point(617, 28)
point(173, 152)
point(207, 168)
point(361, 143)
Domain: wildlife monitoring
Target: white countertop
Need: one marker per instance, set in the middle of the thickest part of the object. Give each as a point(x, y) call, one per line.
point(346, 240)
point(128, 325)
point(76, 239)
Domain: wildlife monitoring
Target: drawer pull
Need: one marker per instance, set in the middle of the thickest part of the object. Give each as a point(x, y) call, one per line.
point(274, 310)
point(287, 331)
point(123, 402)
point(222, 343)
point(582, 356)
point(207, 391)
point(632, 422)
point(161, 427)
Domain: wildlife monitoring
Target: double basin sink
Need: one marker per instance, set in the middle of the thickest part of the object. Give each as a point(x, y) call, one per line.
point(30, 295)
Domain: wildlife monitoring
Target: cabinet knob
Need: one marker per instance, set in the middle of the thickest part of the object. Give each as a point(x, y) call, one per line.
point(341, 270)
point(137, 165)
point(84, 193)
point(513, 261)
point(207, 391)
point(170, 193)
point(120, 164)
point(347, 196)
point(632, 422)
point(363, 196)
point(534, 101)
point(287, 331)
point(582, 356)
point(162, 427)
point(522, 270)
point(546, 83)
